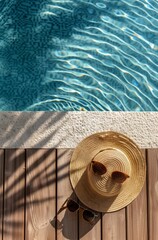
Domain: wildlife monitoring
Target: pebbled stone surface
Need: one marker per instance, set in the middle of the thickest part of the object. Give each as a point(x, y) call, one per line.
point(67, 129)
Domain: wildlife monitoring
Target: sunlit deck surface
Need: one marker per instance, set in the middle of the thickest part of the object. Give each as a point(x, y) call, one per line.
point(34, 183)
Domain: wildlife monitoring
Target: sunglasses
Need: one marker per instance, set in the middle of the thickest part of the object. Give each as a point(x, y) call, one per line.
point(117, 176)
point(88, 215)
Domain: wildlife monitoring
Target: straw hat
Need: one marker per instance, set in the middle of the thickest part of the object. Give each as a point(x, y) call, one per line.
point(117, 153)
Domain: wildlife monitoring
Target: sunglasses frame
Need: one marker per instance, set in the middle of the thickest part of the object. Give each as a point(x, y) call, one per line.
point(123, 175)
point(95, 170)
point(105, 170)
point(83, 208)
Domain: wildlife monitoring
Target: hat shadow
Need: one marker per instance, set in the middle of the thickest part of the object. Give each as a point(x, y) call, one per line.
point(72, 225)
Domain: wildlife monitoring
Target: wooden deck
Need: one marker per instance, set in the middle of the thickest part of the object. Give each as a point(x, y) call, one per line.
point(34, 183)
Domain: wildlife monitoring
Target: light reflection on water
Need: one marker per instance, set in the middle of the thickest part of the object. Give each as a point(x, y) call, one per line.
point(79, 55)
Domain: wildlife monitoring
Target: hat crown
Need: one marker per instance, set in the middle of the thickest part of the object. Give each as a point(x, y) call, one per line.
point(114, 160)
point(117, 153)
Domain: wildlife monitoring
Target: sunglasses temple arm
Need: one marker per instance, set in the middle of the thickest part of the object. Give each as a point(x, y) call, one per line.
point(61, 209)
point(95, 216)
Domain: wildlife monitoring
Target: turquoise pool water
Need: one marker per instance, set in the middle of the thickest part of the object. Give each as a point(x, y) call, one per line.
point(65, 55)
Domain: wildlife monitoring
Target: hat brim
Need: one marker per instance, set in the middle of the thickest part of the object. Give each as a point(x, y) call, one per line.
point(85, 152)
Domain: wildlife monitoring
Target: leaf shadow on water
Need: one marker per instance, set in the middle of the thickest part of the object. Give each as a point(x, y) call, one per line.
point(29, 29)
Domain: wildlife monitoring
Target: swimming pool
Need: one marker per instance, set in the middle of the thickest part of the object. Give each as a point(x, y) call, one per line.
point(72, 55)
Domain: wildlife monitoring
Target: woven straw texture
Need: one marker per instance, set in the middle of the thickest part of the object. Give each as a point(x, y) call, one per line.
point(118, 153)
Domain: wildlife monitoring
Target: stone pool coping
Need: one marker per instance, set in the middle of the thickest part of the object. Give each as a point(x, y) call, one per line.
point(67, 129)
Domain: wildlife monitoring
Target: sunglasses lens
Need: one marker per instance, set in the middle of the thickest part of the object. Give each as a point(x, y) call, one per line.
point(119, 177)
point(72, 206)
point(88, 215)
point(98, 168)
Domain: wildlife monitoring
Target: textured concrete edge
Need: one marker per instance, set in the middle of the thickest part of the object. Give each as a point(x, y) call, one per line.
point(67, 129)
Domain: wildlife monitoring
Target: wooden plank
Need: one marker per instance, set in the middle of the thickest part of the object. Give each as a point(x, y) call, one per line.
point(114, 225)
point(40, 193)
point(89, 230)
point(67, 219)
point(152, 160)
point(1, 190)
point(14, 194)
point(137, 216)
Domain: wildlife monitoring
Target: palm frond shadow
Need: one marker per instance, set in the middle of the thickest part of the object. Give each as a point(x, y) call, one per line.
point(25, 173)
point(15, 136)
point(38, 31)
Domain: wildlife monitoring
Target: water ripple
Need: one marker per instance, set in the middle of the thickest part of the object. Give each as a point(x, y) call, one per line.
point(64, 55)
